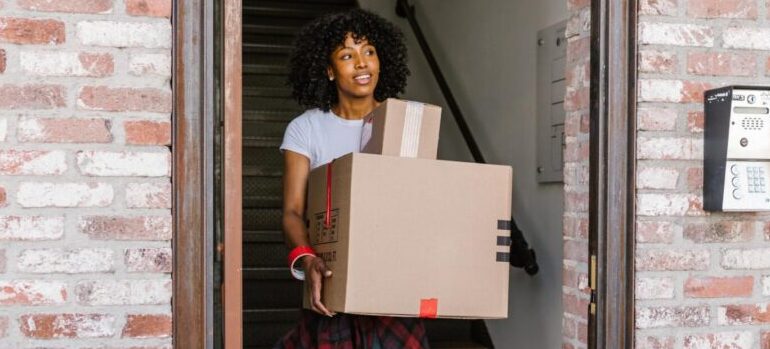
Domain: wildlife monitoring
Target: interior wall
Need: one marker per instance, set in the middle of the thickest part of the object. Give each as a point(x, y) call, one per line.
point(487, 51)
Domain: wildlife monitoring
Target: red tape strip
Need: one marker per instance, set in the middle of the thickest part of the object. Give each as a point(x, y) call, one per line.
point(428, 308)
point(328, 218)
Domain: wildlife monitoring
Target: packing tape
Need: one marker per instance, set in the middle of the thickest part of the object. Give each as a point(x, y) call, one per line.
point(503, 225)
point(503, 257)
point(410, 139)
point(328, 216)
point(504, 241)
point(428, 308)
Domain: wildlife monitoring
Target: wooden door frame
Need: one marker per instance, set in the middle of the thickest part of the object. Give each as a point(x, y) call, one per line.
point(193, 128)
point(612, 183)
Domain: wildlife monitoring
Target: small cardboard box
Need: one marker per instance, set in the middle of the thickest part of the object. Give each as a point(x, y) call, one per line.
point(412, 237)
point(402, 128)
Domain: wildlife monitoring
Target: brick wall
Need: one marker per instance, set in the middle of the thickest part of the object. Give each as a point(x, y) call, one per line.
point(703, 280)
point(575, 289)
point(85, 220)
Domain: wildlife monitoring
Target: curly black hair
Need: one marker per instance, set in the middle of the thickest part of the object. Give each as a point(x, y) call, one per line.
point(318, 40)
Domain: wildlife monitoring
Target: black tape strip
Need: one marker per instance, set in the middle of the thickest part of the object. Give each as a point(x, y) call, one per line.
point(503, 257)
point(503, 225)
point(504, 241)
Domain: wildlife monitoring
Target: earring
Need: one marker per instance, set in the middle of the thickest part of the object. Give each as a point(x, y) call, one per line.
point(331, 78)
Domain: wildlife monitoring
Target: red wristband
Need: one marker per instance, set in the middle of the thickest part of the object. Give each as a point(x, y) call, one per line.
point(294, 255)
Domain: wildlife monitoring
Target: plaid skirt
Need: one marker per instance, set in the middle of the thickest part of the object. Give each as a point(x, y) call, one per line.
point(347, 331)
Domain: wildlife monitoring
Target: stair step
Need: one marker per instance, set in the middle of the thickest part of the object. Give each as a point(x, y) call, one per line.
point(262, 129)
point(262, 201)
point(263, 142)
point(265, 91)
point(260, 171)
point(262, 218)
point(270, 115)
point(272, 315)
point(262, 186)
point(263, 236)
point(263, 254)
point(276, 69)
point(268, 273)
point(266, 48)
point(272, 294)
point(289, 9)
point(269, 103)
point(273, 29)
point(264, 327)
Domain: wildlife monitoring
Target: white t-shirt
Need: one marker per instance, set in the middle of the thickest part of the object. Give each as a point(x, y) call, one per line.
point(322, 136)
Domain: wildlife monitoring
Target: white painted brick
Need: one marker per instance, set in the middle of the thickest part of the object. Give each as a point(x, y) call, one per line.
point(55, 63)
point(32, 292)
point(657, 178)
point(3, 129)
point(732, 340)
point(664, 204)
point(654, 288)
point(747, 38)
point(150, 63)
point(125, 34)
point(669, 148)
point(124, 292)
point(678, 316)
point(39, 163)
point(676, 34)
point(148, 195)
point(37, 194)
point(758, 258)
point(31, 228)
point(86, 260)
point(766, 285)
point(655, 90)
point(103, 163)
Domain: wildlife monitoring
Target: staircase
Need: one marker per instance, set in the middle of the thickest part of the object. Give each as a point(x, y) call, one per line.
point(272, 299)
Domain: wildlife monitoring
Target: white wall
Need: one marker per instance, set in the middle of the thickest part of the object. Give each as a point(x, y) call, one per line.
point(487, 50)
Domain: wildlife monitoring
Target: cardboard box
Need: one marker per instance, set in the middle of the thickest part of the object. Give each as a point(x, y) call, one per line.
point(402, 128)
point(412, 237)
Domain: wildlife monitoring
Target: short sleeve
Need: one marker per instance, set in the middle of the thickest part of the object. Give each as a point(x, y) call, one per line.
point(297, 137)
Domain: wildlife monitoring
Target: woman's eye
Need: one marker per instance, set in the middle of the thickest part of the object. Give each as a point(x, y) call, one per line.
point(345, 57)
point(370, 52)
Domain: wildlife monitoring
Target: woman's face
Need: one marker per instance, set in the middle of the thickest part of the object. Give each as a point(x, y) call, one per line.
point(355, 68)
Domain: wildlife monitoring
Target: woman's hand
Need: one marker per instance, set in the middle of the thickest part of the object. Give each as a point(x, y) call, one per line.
point(315, 272)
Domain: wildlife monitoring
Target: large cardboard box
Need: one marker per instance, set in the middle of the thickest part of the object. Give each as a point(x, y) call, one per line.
point(412, 237)
point(402, 128)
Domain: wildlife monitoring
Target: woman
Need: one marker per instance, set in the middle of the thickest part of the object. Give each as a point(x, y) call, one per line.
point(342, 67)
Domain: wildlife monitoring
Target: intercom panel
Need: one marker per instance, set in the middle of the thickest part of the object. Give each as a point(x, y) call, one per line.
point(736, 149)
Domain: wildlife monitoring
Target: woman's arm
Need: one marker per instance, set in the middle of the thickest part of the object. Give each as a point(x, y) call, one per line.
point(297, 170)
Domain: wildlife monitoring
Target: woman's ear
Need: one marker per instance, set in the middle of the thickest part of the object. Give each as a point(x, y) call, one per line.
point(330, 73)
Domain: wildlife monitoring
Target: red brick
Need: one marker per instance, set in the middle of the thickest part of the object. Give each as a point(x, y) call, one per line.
point(677, 316)
point(148, 260)
point(657, 178)
point(29, 292)
point(649, 342)
point(2, 197)
point(721, 64)
point(579, 50)
point(153, 8)
point(576, 250)
point(126, 228)
point(31, 31)
point(148, 195)
point(654, 204)
point(32, 162)
point(36, 96)
point(672, 260)
point(50, 326)
point(575, 202)
point(656, 232)
point(744, 314)
point(577, 4)
point(765, 340)
point(668, 148)
point(576, 99)
point(767, 231)
point(147, 326)
point(569, 328)
point(675, 91)
point(695, 121)
point(575, 279)
point(64, 130)
point(676, 34)
point(767, 67)
point(722, 9)
point(578, 76)
point(720, 232)
point(2, 61)
point(567, 346)
point(3, 326)
point(658, 7)
point(653, 61)
point(576, 227)
point(718, 287)
point(583, 332)
point(125, 99)
point(2, 261)
point(72, 6)
point(146, 132)
point(575, 305)
point(695, 178)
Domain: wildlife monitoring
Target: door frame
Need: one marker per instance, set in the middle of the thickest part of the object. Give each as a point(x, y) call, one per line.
point(194, 125)
point(612, 172)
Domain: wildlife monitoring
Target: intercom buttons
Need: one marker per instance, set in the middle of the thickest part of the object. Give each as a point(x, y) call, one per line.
point(736, 182)
point(734, 169)
point(737, 194)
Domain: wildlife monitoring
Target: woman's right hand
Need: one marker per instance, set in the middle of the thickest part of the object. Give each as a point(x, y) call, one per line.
point(315, 272)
